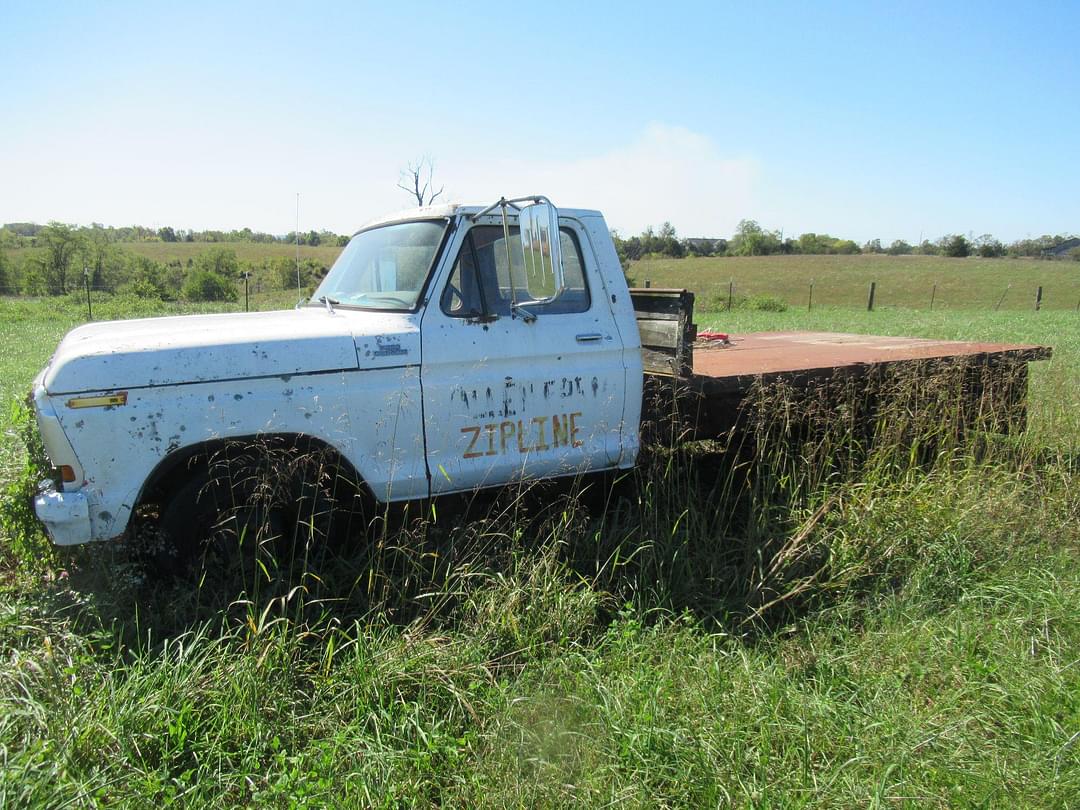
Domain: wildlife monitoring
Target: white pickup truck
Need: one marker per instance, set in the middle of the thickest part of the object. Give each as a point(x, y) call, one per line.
point(439, 354)
point(443, 352)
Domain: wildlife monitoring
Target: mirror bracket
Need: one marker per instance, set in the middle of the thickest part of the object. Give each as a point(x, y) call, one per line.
point(541, 245)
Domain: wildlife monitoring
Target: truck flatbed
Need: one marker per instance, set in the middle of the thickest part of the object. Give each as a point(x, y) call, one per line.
point(792, 354)
point(714, 379)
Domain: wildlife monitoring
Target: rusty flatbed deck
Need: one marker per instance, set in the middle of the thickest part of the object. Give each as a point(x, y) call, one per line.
point(784, 354)
point(712, 381)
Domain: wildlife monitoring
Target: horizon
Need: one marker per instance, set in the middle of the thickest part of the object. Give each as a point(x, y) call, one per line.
point(858, 122)
point(284, 237)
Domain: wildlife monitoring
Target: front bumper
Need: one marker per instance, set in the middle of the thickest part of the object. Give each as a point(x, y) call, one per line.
point(66, 515)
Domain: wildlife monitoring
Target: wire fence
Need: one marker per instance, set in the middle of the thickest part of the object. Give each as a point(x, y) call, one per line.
point(814, 294)
point(98, 305)
point(261, 294)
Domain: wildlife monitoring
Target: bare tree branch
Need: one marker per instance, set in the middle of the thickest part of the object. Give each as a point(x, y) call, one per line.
point(410, 181)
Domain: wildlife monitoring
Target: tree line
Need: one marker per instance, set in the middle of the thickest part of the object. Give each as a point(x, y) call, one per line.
point(66, 258)
point(62, 252)
point(25, 234)
point(750, 239)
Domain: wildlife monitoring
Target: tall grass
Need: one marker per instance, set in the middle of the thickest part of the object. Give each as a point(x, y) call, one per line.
point(864, 595)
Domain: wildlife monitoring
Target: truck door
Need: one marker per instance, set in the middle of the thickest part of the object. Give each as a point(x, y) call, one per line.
point(508, 396)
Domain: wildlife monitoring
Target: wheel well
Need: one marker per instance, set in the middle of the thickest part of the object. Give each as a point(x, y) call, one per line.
point(173, 470)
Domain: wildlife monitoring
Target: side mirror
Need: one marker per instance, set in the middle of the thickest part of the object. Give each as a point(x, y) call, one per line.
point(541, 249)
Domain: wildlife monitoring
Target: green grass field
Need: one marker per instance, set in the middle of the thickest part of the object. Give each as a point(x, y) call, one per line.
point(844, 281)
point(590, 657)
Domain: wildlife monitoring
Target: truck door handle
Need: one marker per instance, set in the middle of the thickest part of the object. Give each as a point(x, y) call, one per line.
point(589, 337)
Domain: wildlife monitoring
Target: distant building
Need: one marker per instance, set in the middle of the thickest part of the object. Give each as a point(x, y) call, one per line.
point(1062, 250)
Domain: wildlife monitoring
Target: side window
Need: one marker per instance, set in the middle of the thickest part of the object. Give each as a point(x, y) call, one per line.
point(575, 298)
point(480, 280)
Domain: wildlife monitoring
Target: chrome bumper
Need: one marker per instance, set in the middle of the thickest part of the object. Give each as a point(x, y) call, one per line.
point(66, 515)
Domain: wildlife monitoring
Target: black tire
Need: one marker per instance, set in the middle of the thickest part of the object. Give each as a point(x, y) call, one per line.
point(280, 501)
point(173, 544)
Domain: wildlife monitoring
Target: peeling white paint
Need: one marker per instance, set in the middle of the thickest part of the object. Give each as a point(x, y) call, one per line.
point(352, 379)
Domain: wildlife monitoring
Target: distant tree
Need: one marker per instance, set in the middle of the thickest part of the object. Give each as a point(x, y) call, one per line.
point(34, 278)
point(988, 247)
point(631, 247)
point(927, 248)
point(669, 243)
point(416, 180)
point(283, 272)
point(167, 234)
point(101, 259)
point(62, 243)
point(148, 280)
point(221, 261)
point(823, 243)
point(810, 242)
point(955, 247)
point(649, 242)
point(313, 238)
point(751, 239)
point(873, 246)
point(899, 248)
point(206, 285)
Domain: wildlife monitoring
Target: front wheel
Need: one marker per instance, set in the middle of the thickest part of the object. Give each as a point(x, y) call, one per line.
point(276, 504)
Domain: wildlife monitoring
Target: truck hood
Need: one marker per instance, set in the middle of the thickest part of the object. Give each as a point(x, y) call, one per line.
point(205, 348)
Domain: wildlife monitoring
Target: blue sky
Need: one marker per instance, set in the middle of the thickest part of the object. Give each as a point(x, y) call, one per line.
point(862, 120)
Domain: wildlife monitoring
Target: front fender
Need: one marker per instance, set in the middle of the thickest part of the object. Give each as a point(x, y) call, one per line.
point(372, 418)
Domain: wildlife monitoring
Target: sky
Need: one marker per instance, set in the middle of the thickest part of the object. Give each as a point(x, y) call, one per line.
point(862, 120)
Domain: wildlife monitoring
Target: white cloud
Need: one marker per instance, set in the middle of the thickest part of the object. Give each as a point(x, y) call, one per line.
point(225, 180)
point(665, 173)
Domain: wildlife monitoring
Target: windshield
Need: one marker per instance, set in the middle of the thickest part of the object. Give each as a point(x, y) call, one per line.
point(384, 268)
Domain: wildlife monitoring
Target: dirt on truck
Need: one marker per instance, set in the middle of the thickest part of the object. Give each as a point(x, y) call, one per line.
point(449, 349)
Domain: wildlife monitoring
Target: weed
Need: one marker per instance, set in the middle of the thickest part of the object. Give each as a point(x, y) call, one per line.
point(26, 547)
point(864, 596)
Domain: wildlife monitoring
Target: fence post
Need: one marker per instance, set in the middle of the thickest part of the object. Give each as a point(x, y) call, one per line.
point(730, 293)
point(86, 282)
point(245, 276)
point(648, 284)
point(933, 295)
point(1038, 298)
point(810, 300)
point(870, 298)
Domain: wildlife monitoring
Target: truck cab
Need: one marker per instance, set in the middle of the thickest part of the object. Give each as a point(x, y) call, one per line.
point(449, 348)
